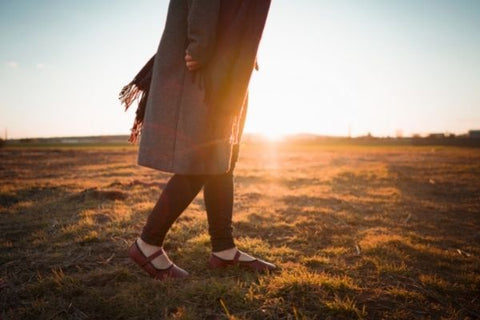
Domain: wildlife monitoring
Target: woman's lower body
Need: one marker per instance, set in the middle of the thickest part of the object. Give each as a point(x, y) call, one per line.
point(179, 193)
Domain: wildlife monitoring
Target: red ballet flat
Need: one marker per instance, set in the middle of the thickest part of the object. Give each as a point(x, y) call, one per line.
point(173, 271)
point(257, 265)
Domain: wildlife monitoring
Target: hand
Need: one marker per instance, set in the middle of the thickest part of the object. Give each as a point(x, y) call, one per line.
point(191, 64)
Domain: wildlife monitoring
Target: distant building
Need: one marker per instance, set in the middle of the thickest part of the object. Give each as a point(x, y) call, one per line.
point(436, 135)
point(474, 134)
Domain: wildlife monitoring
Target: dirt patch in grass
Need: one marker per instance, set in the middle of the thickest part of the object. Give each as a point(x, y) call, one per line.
point(359, 233)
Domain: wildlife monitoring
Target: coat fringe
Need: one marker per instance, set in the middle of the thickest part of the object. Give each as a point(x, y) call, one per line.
point(128, 95)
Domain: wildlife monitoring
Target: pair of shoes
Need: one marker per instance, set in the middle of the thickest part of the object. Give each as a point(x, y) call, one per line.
point(173, 271)
point(258, 265)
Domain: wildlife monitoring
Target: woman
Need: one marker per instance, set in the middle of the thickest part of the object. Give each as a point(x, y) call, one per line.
point(193, 120)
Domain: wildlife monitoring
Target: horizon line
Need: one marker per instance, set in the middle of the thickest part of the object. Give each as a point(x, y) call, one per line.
point(312, 134)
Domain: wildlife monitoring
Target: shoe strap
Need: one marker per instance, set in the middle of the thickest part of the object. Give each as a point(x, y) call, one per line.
point(152, 256)
point(237, 256)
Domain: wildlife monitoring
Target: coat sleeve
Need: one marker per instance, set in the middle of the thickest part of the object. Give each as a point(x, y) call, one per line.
point(202, 26)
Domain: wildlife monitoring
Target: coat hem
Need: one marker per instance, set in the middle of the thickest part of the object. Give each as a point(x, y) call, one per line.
point(176, 171)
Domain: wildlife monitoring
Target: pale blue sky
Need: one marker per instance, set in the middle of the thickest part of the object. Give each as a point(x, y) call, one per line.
point(325, 66)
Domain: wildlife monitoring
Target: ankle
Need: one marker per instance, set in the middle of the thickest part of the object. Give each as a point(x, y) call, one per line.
point(146, 247)
point(160, 262)
point(227, 254)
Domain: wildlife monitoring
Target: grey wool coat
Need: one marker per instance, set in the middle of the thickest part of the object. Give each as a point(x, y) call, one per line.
point(174, 135)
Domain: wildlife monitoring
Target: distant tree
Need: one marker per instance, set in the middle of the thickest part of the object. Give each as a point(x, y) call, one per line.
point(2, 143)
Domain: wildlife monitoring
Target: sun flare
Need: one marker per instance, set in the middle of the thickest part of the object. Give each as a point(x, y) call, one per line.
point(273, 136)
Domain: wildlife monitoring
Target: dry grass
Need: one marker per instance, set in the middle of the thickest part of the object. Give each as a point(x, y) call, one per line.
point(359, 232)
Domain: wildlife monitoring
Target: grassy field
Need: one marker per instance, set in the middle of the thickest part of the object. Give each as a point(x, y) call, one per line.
point(359, 233)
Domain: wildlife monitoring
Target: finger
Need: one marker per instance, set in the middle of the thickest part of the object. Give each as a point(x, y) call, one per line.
point(192, 69)
point(192, 64)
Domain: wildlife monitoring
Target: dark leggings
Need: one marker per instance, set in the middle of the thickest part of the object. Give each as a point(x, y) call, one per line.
point(179, 193)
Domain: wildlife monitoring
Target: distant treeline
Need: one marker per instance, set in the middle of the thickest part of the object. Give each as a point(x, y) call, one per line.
point(374, 141)
point(434, 139)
